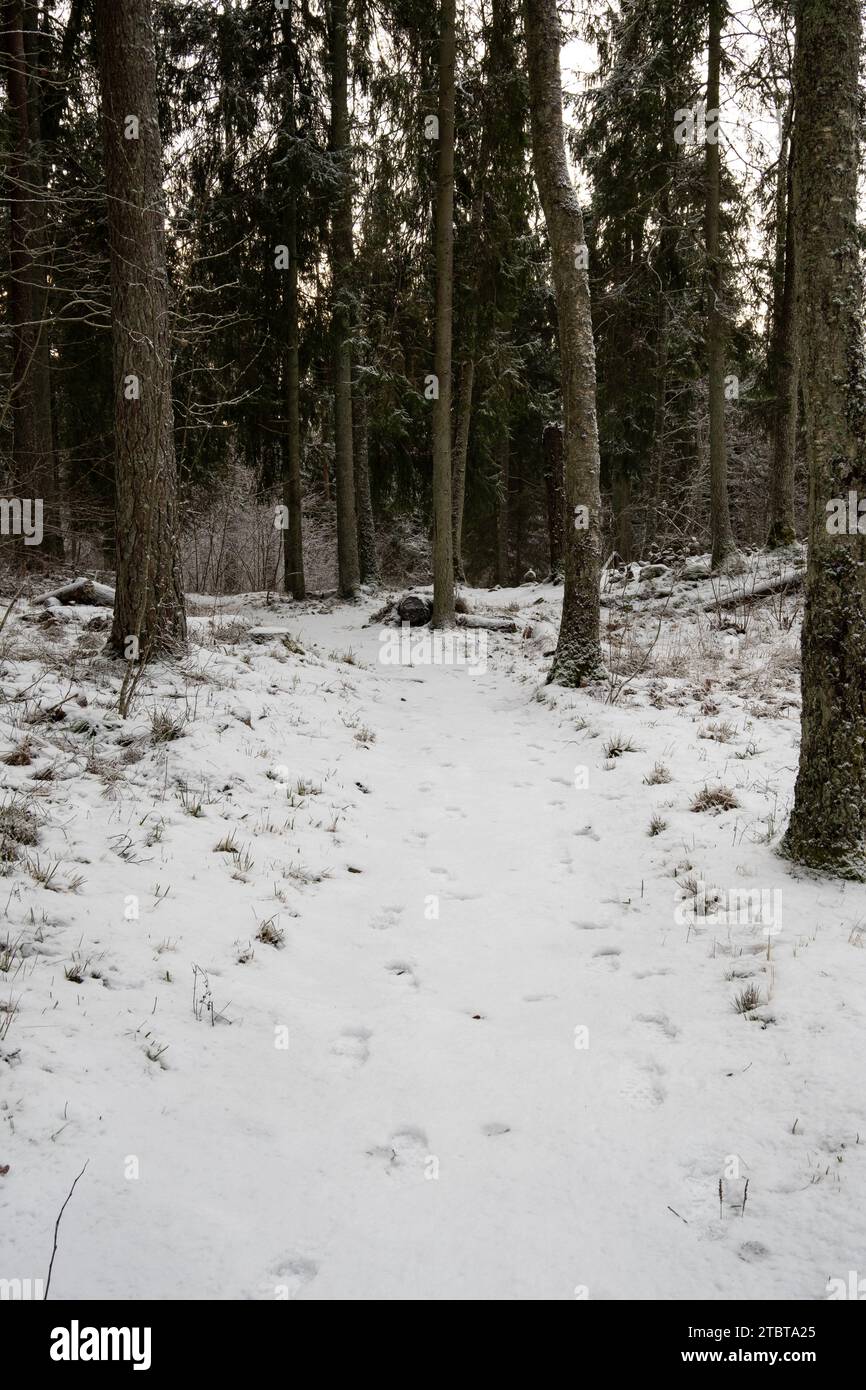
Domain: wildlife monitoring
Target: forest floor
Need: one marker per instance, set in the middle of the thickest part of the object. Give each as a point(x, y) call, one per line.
point(354, 980)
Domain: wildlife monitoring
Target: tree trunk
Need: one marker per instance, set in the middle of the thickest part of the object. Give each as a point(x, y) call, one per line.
point(784, 360)
point(33, 456)
point(720, 516)
point(342, 252)
point(578, 653)
point(149, 602)
point(443, 552)
point(499, 55)
point(503, 510)
point(367, 554)
point(551, 446)
point(293, 545)
point(461, 441)
point(827, 829)
point(621, 501)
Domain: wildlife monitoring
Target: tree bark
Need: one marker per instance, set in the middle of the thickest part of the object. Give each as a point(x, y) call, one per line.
point(503, 509)
point(367, 553)
point(784, 360)
point(149, 604)
point(827, 829)
point(443, 552)
point(551, 446)
point(465, 393)
point(720, 516)
point(342, 253)
point(578, 652)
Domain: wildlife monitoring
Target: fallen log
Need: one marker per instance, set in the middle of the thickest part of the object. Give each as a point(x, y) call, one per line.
point(490, 624)
point(787, 579)
point(79, 590)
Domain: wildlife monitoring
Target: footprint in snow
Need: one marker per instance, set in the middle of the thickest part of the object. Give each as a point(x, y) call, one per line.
point(386, 918)
point(401, 969)
point(610, 954)
point(494, 1130)
point(661, 1021)
point(405, 1154)
point(640, 1085)
point(291, 1276)
point(352, 1044)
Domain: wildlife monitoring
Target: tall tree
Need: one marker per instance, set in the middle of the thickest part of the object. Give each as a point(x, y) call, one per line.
point(827, 829)
point(720, 515)
point(342, 251)
point(784, 357)
point(578, 653)
point(443, 551)
point(293, 547)
point(149, 603)
point(33, 460)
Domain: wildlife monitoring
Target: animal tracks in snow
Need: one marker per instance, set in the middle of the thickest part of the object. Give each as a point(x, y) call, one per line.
point(386, 918)
point(353, 1045)
point(405, 1154)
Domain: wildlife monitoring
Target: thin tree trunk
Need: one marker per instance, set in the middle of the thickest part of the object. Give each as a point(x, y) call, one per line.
point(465, 392)
point(551, 447)
point(578, 653)
point(503, 509)
point(149, 603)
point(293, 545)
point(827, 829)
point(784, 359)
point(720, 516)
point(498, 57)
point(443, 553)
point(367, 554)
point(621, 500)
point(342, 252)
point(33, 457)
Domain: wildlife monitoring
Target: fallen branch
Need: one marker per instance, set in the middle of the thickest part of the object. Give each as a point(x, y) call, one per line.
point(57, 1228)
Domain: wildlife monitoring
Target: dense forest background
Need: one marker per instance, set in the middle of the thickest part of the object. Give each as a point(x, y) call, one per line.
point(300, 189)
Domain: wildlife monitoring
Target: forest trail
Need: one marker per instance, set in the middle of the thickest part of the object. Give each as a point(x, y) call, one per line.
point(464, 1043)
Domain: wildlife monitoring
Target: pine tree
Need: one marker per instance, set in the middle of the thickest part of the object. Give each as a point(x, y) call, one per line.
point(342, 252)
point(827, 829)
point(443, 555)
point(149, 604)
point(578, 653)
point(720, 515)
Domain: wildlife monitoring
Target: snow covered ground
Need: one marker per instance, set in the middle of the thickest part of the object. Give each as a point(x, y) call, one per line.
point(353, 980)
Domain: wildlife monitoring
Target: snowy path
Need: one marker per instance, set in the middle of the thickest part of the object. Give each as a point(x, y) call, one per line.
point(510, 1074)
